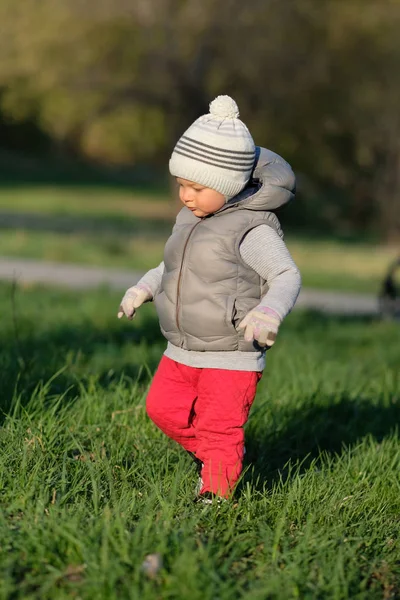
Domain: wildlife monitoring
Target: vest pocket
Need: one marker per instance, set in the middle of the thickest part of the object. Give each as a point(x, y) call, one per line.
point(230, 311)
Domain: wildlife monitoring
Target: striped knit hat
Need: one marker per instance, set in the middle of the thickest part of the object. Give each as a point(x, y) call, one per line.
point(217, 150)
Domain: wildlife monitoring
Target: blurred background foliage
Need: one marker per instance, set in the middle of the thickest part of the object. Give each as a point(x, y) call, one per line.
point(115, 82)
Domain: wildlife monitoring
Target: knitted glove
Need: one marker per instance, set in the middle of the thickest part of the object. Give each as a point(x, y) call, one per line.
point(261, 324)
point(133, 298)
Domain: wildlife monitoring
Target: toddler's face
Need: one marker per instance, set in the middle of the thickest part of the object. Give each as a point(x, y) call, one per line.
point(202, 201)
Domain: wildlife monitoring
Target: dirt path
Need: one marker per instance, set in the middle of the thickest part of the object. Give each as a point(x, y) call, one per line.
point(25, 271)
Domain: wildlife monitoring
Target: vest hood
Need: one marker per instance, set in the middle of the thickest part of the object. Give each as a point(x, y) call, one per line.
point(273, 184)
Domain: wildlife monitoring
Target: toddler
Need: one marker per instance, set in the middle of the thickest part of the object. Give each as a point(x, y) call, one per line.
point(226, 283)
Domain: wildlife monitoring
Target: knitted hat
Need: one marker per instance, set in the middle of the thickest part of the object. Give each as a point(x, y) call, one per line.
point(217, 150)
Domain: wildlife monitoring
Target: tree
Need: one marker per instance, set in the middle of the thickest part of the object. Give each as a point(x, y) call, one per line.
point(316, 80)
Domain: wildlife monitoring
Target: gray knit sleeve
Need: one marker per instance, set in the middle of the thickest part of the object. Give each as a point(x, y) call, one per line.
point(152, 278)
point(264, 251)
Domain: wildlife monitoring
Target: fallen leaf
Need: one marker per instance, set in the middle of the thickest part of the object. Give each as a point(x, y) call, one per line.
point(152, 564)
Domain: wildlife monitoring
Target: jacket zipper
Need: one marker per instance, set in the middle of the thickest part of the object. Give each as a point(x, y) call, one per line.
point(178, 289)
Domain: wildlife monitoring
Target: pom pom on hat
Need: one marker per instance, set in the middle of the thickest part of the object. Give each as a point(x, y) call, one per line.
point(224, 107)
point(217, 150)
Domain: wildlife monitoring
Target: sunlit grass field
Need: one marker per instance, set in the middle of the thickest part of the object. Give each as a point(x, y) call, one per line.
point(89, 487)
point(124, 229)
point(84, 200)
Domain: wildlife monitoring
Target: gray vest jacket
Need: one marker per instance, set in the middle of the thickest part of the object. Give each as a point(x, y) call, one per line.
point(206, 288)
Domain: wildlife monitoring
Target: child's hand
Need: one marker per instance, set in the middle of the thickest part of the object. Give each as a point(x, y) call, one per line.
point(262, 325)
point(133, 298)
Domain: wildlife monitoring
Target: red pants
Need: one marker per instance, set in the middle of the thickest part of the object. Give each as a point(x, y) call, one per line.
point(205, 411)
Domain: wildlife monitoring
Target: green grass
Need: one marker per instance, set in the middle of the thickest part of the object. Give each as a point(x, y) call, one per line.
point(89, 486)
point(84, 201)
point(339, 265)
point(138, 252)
point(121, 228)
point(324, 265)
